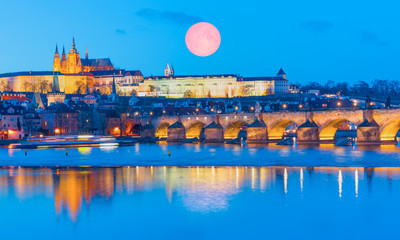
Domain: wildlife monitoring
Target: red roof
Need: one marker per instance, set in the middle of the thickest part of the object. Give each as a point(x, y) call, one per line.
point(18, 98)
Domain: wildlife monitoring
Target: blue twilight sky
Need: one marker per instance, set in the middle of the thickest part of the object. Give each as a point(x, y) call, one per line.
point(312, 40)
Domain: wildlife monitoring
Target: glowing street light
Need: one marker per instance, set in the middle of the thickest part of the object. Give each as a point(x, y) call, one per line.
point(300, 106)
point(339, 103)
point(57, 130)
point(284, 105)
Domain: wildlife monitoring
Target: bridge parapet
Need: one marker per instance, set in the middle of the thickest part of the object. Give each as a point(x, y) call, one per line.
point(387, 123)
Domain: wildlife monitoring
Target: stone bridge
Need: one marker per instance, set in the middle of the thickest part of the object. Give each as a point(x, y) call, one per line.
point(374, 126)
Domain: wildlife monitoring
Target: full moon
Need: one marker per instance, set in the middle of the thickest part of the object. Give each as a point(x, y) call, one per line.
point(203, 39)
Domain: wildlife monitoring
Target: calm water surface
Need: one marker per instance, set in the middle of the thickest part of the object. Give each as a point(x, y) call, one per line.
point(212, 192)
point(199, 203)
point(206, 155)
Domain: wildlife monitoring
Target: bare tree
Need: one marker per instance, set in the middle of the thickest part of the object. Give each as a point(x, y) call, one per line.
point(44, 86)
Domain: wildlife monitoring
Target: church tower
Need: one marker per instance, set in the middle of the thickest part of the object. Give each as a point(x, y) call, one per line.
point(55, 96)
point(63, 61)
point(56, 62)
point(169, 71)
point(281, 74)
point(74, 64)
point(113, 97)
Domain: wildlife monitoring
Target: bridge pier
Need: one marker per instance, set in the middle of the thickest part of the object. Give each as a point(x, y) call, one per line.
point(257, 132)
point(368, 133)
point(307, 133)
point(176, 132)
point(147, 131)
point(214, 133)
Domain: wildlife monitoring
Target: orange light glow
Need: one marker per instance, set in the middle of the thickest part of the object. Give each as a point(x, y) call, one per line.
point(57, 130)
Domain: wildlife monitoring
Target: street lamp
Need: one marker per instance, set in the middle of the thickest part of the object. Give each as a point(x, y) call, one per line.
point(57, 130)
point(339, 103)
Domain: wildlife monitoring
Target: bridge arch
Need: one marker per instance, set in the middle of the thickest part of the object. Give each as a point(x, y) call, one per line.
point(233, 129)
point(162, 130)
point(195, 130)
point(278, 129)
point(389, 130)
point(328, 131)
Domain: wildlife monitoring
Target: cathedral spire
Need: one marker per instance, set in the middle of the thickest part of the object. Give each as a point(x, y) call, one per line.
point(167, 71)
point(64, 57)
point(73, 49)
point(87, 54)
point(56, 49)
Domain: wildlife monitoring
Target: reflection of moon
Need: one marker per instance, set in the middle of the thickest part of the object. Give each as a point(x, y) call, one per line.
point(203, 39)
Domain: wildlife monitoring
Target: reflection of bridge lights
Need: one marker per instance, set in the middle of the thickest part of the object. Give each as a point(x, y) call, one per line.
point(340, 181)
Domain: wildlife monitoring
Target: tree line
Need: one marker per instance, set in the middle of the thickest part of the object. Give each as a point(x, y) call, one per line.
point(376, 87)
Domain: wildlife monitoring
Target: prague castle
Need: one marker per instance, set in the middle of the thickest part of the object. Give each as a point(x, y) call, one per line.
point(214, 86)
point(75, 75)
point(80, 75)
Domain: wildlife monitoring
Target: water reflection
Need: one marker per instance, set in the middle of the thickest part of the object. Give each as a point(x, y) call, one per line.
point(198, 189)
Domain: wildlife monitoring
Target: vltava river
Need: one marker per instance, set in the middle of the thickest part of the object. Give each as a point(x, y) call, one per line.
point(199, 202)
point(206, 155)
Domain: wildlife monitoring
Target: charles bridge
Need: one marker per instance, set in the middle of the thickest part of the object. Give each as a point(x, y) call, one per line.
point(374, 126)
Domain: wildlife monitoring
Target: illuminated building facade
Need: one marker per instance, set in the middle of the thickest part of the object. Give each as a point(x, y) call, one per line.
point(59, 119)
point(214, 86)
point(75, 75)
point(12, 120)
